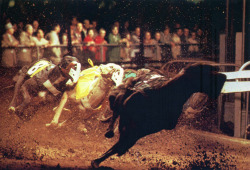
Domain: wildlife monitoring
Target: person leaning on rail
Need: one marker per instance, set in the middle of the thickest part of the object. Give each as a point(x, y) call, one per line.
point(8, 40)
point(27, 40)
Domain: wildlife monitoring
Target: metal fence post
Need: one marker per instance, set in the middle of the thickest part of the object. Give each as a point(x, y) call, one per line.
point(102, 57)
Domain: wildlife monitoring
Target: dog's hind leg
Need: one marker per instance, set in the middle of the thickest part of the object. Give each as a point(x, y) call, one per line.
point(26, 100)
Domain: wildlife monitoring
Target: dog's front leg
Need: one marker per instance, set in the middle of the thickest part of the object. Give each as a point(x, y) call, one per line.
point(58, 110)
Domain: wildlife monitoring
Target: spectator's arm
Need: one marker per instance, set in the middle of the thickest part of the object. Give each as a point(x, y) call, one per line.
point(5, 42)
point(24, 40)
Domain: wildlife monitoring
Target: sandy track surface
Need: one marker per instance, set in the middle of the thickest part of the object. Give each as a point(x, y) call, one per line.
point(29, 144)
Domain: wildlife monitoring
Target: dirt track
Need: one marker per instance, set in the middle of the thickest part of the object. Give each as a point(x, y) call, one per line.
point(195, 143)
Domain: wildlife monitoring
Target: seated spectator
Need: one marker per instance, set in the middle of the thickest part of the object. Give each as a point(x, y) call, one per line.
point(176, 45)
point(126, 49)
point(54, 53)
point(157, 48)
point(99, 39)
point(192, 40)
point(88, 47)
point(40, 41)
point(26, 39)
point(114, 38)
point(148, 50)
point(8, 40)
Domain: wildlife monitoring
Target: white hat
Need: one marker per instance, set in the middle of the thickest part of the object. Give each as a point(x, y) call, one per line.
point(8, 26)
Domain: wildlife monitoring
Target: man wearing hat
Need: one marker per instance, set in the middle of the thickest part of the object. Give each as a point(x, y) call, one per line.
point(9, 58)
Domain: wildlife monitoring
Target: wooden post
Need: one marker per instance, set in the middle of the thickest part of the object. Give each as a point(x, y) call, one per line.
point(237, 100)
point(222, 59)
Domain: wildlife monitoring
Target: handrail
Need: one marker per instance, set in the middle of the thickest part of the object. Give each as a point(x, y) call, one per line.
point(97, 45)
point(132, 47)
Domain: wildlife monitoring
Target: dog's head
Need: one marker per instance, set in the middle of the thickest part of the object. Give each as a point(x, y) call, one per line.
point(70, 67)
point(206, 78)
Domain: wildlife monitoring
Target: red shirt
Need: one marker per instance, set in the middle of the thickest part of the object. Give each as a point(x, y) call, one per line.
point(87, 39)
point(100, 40)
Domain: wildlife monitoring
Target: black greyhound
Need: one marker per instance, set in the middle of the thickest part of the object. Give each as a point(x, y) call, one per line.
point(147, 111)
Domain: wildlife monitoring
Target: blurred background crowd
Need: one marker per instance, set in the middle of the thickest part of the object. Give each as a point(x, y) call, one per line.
point(111, 31)
point(120, 43)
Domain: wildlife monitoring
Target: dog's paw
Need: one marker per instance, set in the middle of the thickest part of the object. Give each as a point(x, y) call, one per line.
point(12, 109)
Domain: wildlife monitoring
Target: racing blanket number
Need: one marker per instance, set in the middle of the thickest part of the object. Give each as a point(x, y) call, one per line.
point(37, 67)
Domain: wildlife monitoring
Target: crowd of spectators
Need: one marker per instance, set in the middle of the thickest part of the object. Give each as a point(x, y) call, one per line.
point(120, 44)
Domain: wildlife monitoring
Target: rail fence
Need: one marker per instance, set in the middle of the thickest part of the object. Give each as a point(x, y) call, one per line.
point(153, 54)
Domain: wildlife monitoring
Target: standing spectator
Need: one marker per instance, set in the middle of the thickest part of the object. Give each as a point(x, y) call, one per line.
point(94, 26)
point(89, 48)
point(126, 50)
point(77, 34)
point(199, 35)
point(202, 40)
point(40, 41)
point(54, 53)
point(26, 39)
point(184, 41)
point(9, 55)
point(74, 22)
point(166, 39)
point(99, 39)
point(156, 41)
point(65, 39)
point(77, 40)
point(35, 27)
point(125, 29)
point(147, 42)
point(177, 26)
point(65, 43)
point(135, 38)
point(114, 38)
point(176, 45)
point(117, 24)
point(15, 28)
point(136, 35)
point(193, 49)
point(85, 28)
point(19, 30)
